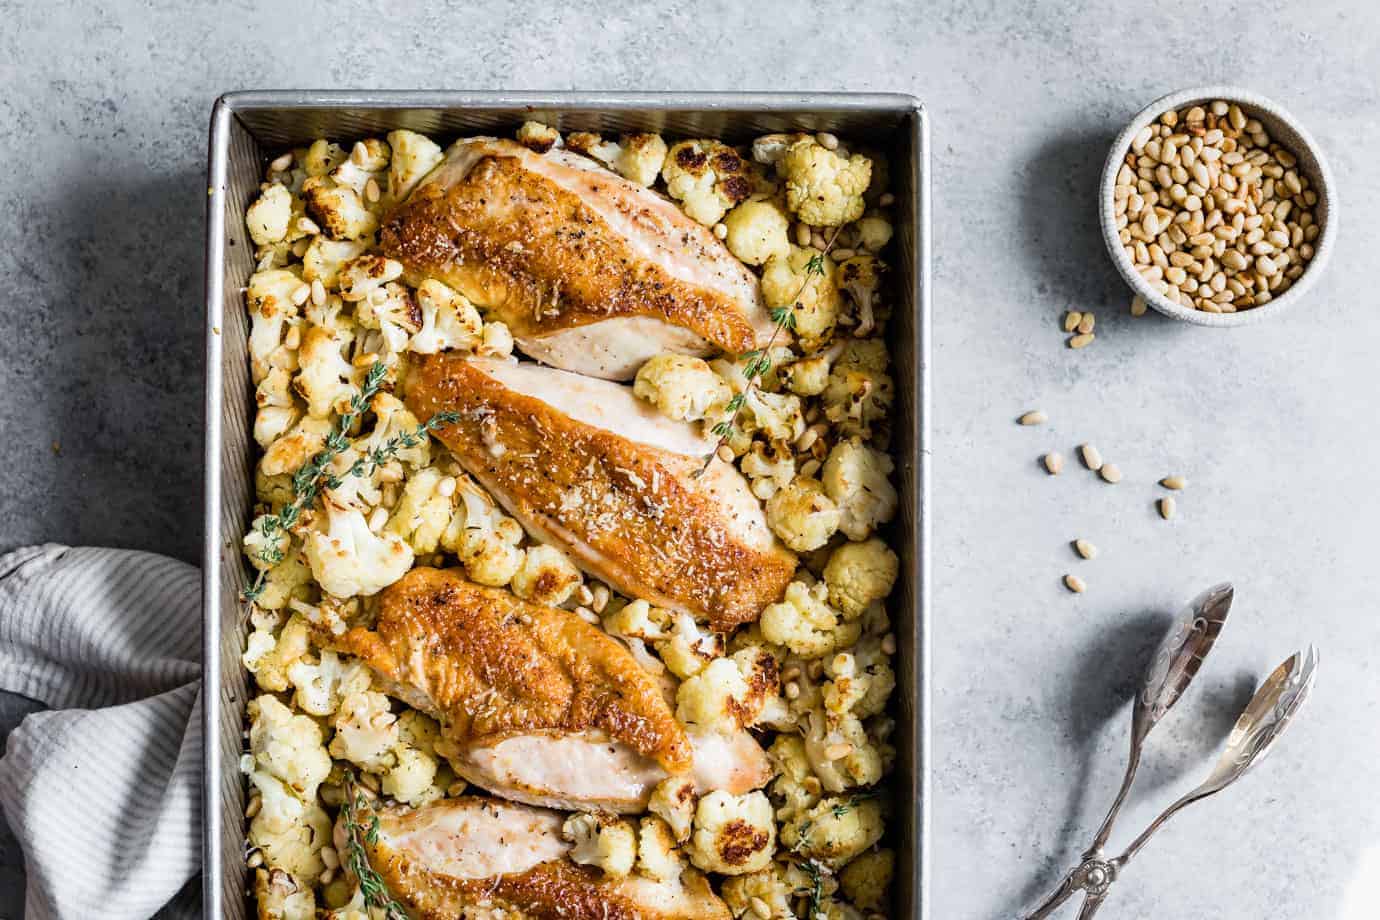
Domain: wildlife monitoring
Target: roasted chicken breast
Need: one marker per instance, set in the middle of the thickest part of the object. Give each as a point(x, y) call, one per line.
point(591, 272)
point(471, 857)
point(535, 704)
point(587, 466)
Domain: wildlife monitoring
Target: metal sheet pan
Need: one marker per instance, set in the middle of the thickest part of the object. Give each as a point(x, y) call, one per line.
point(248, 127)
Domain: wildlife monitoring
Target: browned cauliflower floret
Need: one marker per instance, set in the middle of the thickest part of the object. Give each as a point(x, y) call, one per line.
point(414, 155)
point(538, 137)
point(338, 210)
point(681, 386)
point(857, 478)
point(326, 379)
point(734, 834)
point(746, 895)
point(874, 233)
point(546, 576)
point(272, 313)
point(867, 879)
point(836, 830)
point(757, 230)
point(859, 394)
point(636, 157)
point(268, 217)
point(707, 178)
point(805, 623)
point(449, 321)
point(603, 841)
point(673, 801)
point(657, 855)
point(802, 515)
point(858, 574)
point(804, 280)
point(279, 896)
point(823, 188)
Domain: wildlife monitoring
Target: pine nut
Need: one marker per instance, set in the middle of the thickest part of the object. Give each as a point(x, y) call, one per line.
point(1071, 320)
point(1092, 457)
point(1087, 323)
point(1034, 417)
point(1167, 507)
point(838, 751)
point(827, 141)
point(725, 453)
point(889, 644)
point(1082, 340)
point(1085, 549)
point(1174, 482)
point(1075, 584)
point(1137, 305)
point(1054, 463)
point(1111, 472)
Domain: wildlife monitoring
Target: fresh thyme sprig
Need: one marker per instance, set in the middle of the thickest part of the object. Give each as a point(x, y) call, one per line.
point(759, 359)
point(307, 481)
point(811, 870)
point(371, 884)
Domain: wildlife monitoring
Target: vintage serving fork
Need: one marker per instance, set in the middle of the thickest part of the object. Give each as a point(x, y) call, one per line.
point(1176, 662)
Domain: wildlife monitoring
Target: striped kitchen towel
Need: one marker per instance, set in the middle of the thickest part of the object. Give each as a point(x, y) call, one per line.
point(102, 790)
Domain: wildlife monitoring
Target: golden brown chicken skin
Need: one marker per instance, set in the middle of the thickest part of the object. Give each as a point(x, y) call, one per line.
point(592, 273)
point(634, 514)
point(492, 665)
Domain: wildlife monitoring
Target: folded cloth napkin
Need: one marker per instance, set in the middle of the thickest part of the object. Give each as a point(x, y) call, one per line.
point(102, 791)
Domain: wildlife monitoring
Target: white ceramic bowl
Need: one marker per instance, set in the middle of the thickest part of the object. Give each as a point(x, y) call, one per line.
point(1284, 129)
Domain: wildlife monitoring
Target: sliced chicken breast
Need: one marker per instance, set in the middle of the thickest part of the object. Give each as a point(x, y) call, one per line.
point(587, 466)
point(535, 704)
point(591, 272)
point(479, 857)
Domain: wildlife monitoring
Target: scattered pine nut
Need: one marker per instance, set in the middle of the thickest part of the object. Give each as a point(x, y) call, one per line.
point(1034, 417)
point(1091, 457)
point(1085, 549)
point(1138, 305)
point(1110, 472)
point(838, 751)
point(1075, 584)
point(1054, 463)
point(1167, 507)
point(1086, 324)
point(1071, 320)
point(1174, 482)
point(725, 453)
point(1082, 340)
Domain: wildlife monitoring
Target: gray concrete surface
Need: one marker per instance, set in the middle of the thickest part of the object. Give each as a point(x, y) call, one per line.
point(102, 132)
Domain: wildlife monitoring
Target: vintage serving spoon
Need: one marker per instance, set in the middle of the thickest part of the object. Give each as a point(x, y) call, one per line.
point(1176, 662)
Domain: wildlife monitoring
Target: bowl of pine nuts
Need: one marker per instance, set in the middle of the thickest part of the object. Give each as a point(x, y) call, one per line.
point(1216, 206)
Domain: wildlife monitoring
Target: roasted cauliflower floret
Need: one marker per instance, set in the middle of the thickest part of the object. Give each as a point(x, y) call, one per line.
point(858, 574)
point(320, 686)
point(327, 380)
point(423, 511)
point(483, 537)
point(673, 801)
point(680, 386)
point(776, 415)
point(604, 841)
point(410, 778)
point(866, 881)
point(295, 848)
point(322, 157)
point(689, 647)
point(874, 233)
point(449, 321)
point(760, 463)
point(836, 830)
point(744, 893)
point(859, 277)
point(413, 157)
point(278, 411)
point(279, 896)
point(636, 157)
point(734, 834)
point(266, 544)
point(805, 623)
point(707, 178)
point(802, 515)
point(270, 658)
point(360, 277)
point(272, 311)
point(267, 218)
point(366, 732)
point(393, 420)
point(757, 230)
point(729, 693)
point(808, 376)
point(804, 280)
point(657, 856)
point(325, 257)
point(538, 137)
point(824, 189)
point(841, 753)
point(338, 210)
point(637, 620)
point(796, 787)
point(287, 746)
point(546, 576)
point(348, 559)
point(857, 478)
point(858, 396)
point(286, 581)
